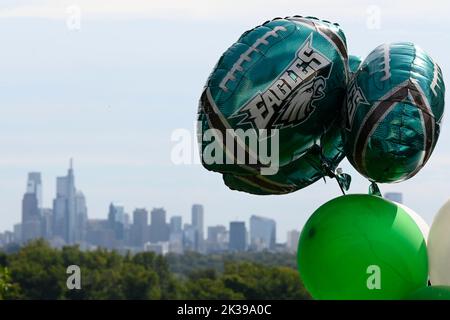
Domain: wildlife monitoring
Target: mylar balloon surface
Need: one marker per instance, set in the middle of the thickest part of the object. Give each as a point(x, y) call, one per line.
point(284, 82)
point(353, 63)
point(313, 165)
point(439, 247)
point(362, 247)
point(394, 109)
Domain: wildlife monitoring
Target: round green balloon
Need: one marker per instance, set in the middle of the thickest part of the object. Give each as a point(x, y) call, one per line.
point(431, 293)
point(362, 247)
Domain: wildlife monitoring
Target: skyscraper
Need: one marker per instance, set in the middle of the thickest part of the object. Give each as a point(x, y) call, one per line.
point(140, 227)
point(262, 233)
point(81, 217)
point(214, 233)
point(189, 237)
point(34, 185)
point(17, 231)
point(176, 235)
point(394, 196)
point(65, 211)
point(176, 224)
point(292, 240)
point(31, 215)
point(217, 239)
point(116, 219)
point(238, 236)
point(159, 229)
point(46, 223)
point(197, 223)
point(30, 218)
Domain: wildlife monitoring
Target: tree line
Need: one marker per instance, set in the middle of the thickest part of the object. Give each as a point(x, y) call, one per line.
point(38, 271)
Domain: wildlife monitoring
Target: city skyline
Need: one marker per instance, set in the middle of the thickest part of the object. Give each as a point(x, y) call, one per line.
point(67, 223)
point(66, 184)
point(107, 96)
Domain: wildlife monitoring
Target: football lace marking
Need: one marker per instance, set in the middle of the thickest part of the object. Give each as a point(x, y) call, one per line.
point(428, 123)
point(246, 56)
point(387, 63)
point(434, 82)
point(408, 89)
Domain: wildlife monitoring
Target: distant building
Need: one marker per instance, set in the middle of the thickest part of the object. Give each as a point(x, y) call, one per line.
point(34, 186)
point(46, 223)
point(217, 240)
point(238, 236)
point(176, 235)
point(116, 219)
point(126, 220)
point(17, 232)
point(139, 228)
point(214, 233)
point(161, 248)
point(176, 243)
point(66, 215)
point(159, 229)
point(99, 234)
point(81, 217)
point(262, 233)
point(292, 240)
point(394, 196)
point(6, 238)
point(176, 224)
point(189, 237)
point(198, 224)
point(31, 215)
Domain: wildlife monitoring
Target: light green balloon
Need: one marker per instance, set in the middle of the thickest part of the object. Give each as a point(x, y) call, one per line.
point(431, 293)
point(439, 247)
point(362, 247)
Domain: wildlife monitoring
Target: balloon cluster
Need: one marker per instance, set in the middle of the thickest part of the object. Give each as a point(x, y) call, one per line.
point(286, 104)
point(366, 247)
point(289, 88)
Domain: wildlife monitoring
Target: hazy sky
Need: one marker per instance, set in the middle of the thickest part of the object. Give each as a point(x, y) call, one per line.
point(111, 93)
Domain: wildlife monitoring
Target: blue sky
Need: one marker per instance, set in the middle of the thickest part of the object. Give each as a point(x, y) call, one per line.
point(111, 94)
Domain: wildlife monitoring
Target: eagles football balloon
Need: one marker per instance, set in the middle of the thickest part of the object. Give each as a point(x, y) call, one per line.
point(315, 164)
point(394, 109)
point(353, 63)
point(282, 84)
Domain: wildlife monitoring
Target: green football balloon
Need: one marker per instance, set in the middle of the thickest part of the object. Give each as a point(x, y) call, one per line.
point(285, 81)
point(362, 247)
point(431, 293)
point(312, 166)
point(353, 63)
point(394, 107)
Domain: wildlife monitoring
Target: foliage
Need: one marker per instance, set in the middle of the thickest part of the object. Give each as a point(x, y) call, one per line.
point(5, 282)
point(38, 271)
point(246, 280)
point(191, 261)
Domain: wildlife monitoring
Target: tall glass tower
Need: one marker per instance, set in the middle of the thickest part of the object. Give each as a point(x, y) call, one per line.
point(197, 223)
point(31, 206)
point(64, 207)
